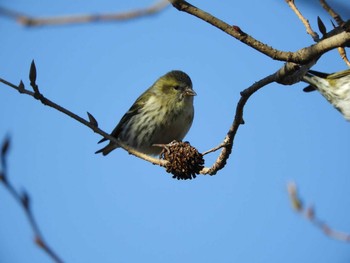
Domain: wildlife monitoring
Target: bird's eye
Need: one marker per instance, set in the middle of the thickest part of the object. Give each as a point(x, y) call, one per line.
point(177, 87)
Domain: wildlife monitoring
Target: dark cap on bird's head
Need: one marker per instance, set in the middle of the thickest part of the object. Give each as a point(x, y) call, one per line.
point(179, 76)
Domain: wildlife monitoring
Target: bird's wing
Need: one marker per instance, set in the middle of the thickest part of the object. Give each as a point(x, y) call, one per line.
point(134, 110)
point(339, 74)
point(335, 75)
point(318, 74)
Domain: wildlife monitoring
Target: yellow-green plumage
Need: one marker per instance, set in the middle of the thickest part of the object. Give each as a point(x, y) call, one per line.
point(163, 113)
point(334, 87)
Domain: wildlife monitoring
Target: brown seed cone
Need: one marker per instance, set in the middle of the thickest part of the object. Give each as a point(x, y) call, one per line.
point(184, 161)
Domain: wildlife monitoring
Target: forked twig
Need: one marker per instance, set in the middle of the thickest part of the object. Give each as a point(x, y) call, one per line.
point(221, 145)
point(322, 27)
point(332, 13)
point(91, 123)
point(302, 56)
point(340, 23)
point(306, 23)
point(226, 145)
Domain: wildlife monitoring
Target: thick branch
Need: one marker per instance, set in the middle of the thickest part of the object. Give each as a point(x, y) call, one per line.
point(302, 56)
point(227, 144)
point(288, 74)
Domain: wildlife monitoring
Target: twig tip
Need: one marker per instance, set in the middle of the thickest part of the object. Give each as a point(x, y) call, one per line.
point(32, 72)
point(5, 146)
point(92, 119)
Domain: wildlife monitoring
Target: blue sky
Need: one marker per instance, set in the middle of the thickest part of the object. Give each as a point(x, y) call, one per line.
point(121, 209)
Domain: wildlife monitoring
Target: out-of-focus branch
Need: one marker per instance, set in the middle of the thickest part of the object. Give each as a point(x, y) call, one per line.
point(27, 20)
point(24, 201)
point(337, 37)
point(310, 214)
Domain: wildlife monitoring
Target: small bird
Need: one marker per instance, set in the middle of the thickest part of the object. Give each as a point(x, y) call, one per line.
point(334, 87)
point(163, 113)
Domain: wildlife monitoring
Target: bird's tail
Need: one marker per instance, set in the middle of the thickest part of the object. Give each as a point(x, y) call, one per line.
point(313, 78)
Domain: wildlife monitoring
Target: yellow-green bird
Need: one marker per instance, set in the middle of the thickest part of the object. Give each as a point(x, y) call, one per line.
point(334, 87)
point(163, 113)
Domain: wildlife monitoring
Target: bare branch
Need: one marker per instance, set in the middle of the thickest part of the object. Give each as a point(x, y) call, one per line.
point(337, 37)
point(310, 214)
point(227, 143)
point(80, 19)
point(288, 74)
point(24, 201)
point(340, 23)
point(343, 55)
point(37, 95)
point(221, 145)
point(306, 23)
point(332, 13)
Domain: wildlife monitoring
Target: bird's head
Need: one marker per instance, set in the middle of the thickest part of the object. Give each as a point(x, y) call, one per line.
point(176, 85)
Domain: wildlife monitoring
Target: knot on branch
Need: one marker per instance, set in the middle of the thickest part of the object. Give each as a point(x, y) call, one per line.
point(289, 74)
point(184, 161)
point(292, 73)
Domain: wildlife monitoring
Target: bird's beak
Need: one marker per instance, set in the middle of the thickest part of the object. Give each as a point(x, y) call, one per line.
point(190, 92)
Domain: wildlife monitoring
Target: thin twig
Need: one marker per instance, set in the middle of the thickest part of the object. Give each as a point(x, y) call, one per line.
point(281, 76)
point(286, 75)
point(340, 23)
point(306, 23)
point(79, 19)
point(310, 214)
point(343, 55)
point(47, 102)
point(221, 145)
point(332, 13)
point(227, 143)
point(24, 201)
